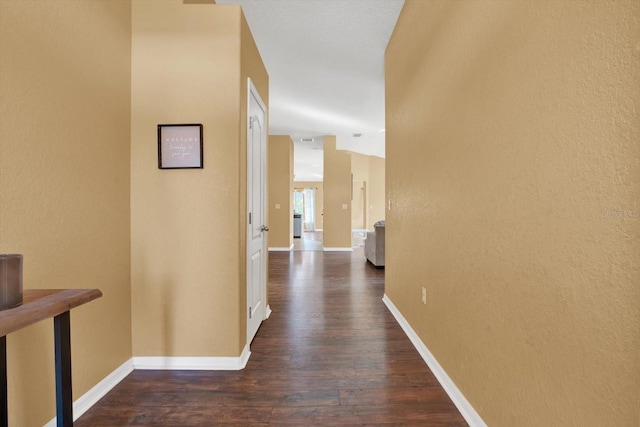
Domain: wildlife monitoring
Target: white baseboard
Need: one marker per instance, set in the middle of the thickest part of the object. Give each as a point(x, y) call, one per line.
point(267, 312)
point(97, 392)
point(318, 229)
point(463, 405)
point(194, 363)
point(281, 249)
point(337, 249)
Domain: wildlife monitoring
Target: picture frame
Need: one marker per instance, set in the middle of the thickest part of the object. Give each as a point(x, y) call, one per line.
point(180, 146)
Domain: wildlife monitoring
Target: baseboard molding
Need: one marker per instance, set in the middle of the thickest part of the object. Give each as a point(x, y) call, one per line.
point(463, 405)
point(194, 363)
point(337, 249)
point(281, 249)
point(267, 312)
point(97, 392)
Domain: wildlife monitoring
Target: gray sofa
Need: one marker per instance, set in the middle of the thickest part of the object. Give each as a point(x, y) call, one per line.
point(374, 245)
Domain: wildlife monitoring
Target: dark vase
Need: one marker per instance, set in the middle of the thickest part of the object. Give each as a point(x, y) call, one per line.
point(10, 281)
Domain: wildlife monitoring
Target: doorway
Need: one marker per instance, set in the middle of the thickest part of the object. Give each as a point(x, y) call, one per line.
point(307, 235)
point(256, 208)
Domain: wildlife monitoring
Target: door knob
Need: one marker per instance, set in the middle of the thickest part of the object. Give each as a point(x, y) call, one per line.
point(264, 228)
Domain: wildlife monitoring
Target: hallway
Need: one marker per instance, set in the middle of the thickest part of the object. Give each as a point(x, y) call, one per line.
point(330, 354)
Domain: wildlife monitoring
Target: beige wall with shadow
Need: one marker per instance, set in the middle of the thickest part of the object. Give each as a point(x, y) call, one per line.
point(188, 225)
point(65, 74)
point(513, 171)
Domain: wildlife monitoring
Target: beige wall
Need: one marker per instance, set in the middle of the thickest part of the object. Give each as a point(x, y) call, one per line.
point(360, 191)
point(188, 226)
point(375, 191)
point(280, 191)
point(318, 186)
point(368, 173)
point(512, 171)
point(337, 193)
point(64, 185)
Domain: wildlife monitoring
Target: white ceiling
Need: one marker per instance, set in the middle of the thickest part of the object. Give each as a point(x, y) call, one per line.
point(325, 60)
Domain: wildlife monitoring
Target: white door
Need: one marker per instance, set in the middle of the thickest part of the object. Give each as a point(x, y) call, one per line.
point(256, 206)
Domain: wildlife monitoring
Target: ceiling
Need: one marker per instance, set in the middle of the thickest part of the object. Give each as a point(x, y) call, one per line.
point(325, 60)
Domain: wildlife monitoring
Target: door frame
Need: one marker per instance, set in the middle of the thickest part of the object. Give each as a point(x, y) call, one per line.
point(253, 91)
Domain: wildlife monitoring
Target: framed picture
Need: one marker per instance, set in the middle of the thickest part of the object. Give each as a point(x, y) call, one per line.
point(180, 146)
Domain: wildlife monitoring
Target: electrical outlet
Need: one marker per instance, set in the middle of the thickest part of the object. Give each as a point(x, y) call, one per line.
point(424, 295)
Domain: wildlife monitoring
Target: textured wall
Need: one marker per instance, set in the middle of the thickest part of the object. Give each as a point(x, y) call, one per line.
point(64, 185)
point(513, 172)
point(280, 191)
point(337, 192)
point(188, 225)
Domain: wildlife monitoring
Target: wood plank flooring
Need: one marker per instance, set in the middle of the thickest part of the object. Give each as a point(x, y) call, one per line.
point(330, 355)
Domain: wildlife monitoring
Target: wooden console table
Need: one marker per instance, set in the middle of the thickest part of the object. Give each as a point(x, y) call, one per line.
point(37, 305)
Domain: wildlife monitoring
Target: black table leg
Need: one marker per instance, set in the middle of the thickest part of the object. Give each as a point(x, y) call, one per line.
point(4, 413)
point(64, 398)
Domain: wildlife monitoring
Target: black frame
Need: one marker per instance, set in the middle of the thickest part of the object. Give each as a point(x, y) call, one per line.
point(198, 164)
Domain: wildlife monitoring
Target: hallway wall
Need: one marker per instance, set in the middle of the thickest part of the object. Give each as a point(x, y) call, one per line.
point(336, 232)
point(513, 170)
point(190, 63)
point(376, 187)
point(369, 169)
point(359, 189)
point(280, 181)
point(65, 73)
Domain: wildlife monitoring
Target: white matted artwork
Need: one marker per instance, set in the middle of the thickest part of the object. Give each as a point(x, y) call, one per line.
point(180, 146)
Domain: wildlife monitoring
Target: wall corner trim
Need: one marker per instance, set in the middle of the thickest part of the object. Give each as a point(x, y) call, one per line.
point(337, 249)
point(97, 392)
point(463, 405)
point(281, 249)
point(194, 363)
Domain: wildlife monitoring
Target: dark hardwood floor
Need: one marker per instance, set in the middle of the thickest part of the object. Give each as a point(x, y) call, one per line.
point(330, 354)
